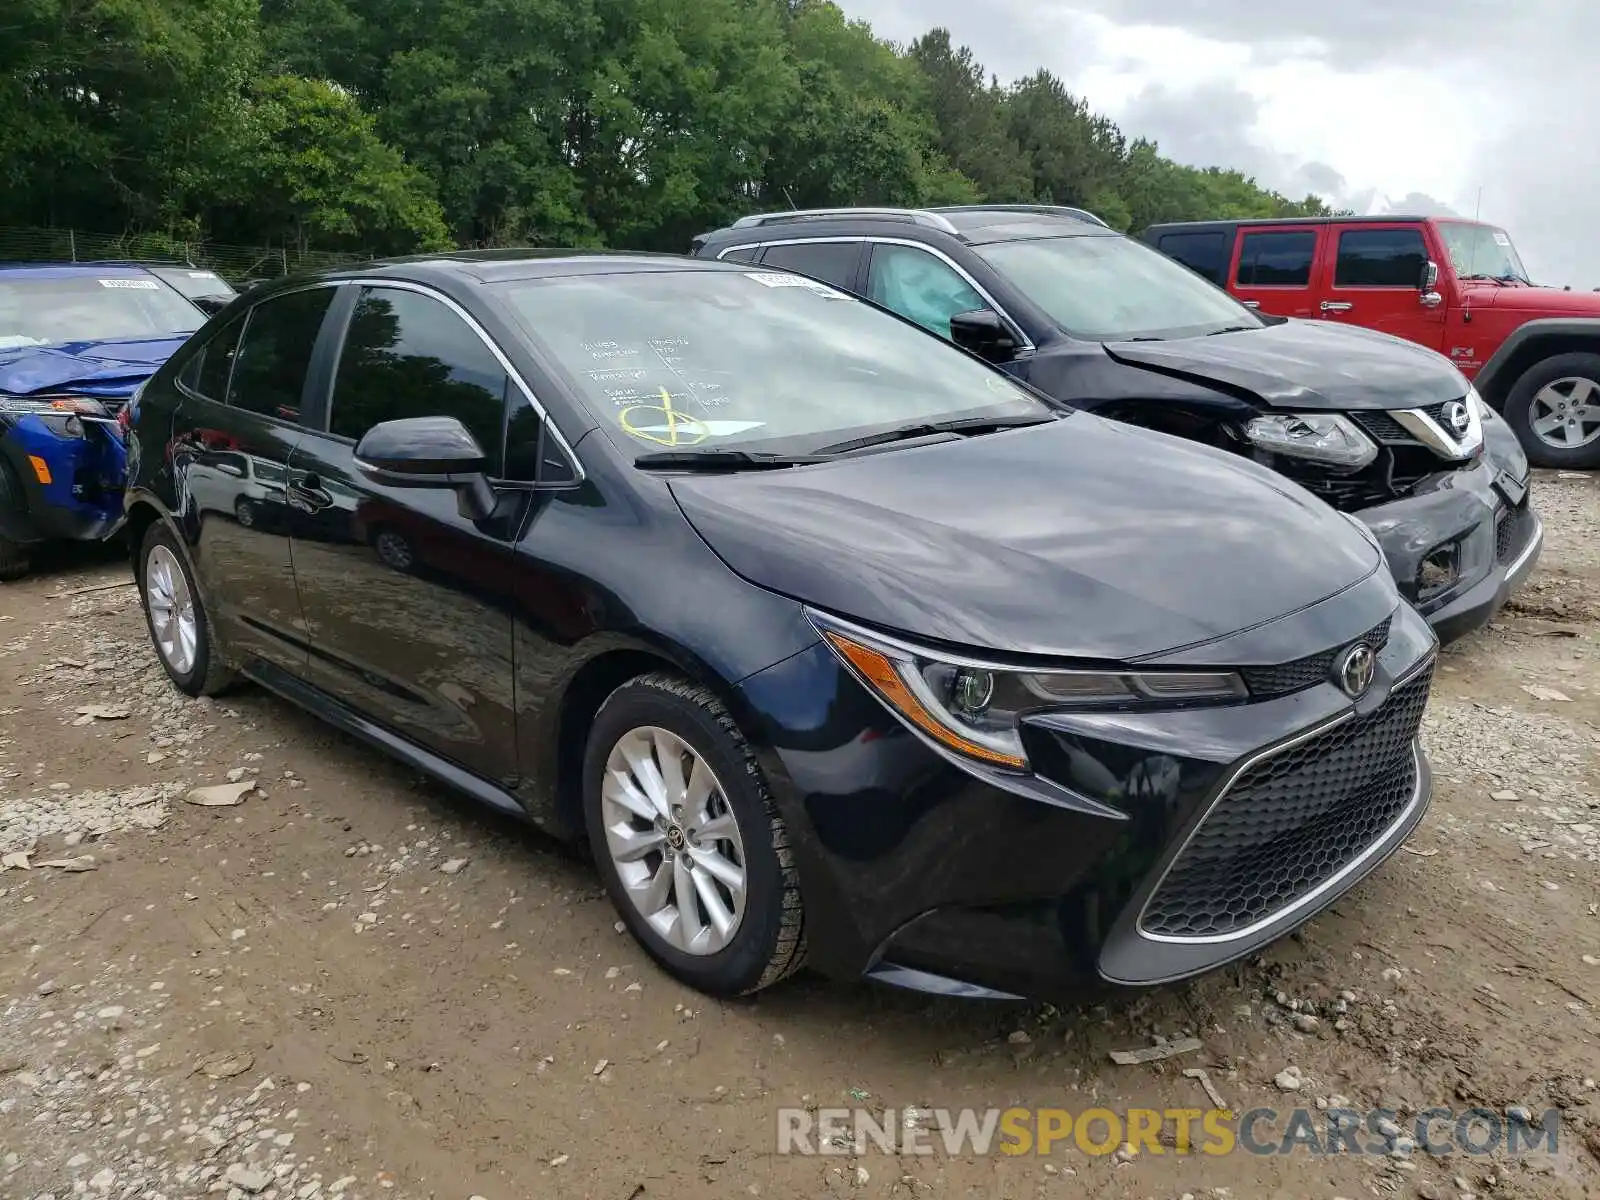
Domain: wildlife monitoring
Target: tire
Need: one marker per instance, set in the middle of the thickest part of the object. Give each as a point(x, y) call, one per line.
point(767, 942)
point(198, 670)
point(244, 512)
point(14, 561)
point(1528, 394)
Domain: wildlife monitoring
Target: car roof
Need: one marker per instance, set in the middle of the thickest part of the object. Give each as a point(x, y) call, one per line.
point(496, 266)
point(972, 225)
point(34, 270)
point(1236, 222)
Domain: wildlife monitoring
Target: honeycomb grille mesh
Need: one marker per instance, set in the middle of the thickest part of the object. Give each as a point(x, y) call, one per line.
point(1265, 682)
point(1511, 530)
point(1293, 821)
point(1382, 426)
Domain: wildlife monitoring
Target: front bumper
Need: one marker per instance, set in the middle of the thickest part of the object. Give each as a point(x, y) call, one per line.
point(946, 877)
point(1460, 544)
point(81, 498)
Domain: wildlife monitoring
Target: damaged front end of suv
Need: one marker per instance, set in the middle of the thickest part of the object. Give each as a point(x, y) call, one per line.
point(1390, 433)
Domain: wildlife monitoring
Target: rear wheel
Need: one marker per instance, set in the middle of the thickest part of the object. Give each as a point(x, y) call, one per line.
point(689, 843)
point(179, 628)
point(1555, 409)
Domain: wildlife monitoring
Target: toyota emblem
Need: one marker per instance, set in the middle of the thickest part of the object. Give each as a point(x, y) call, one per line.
point(1356, 669)
point(1457, 417)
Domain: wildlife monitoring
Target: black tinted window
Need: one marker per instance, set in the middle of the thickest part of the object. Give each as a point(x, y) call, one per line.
point(408, 355)
point(1276, 259)
point(831, 262)
point(269, 370)
point(1203, 253)
point(207, 372)
point(1380, 258)
point(532, 454)
point(742, 254)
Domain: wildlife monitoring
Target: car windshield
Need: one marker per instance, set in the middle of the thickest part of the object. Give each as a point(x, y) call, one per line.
point(194, 282)
point(45, 311)
point(1109, 289)
point(754, 360)
point(1481, 251)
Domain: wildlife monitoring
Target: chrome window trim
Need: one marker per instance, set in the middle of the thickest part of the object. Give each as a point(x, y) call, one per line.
point(1024, 342)
point(1303, 902)
point(406, 285)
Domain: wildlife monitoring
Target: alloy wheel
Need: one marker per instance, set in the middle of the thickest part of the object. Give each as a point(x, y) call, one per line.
point(1565, 413)
point(674, 840)
point(172, 610)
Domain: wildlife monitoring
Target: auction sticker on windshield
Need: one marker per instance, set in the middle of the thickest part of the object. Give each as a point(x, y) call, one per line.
point(772, 279)
point(147, 285)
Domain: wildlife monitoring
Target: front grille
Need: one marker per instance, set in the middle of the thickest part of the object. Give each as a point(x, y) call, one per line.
point(1382, 426)
point(1309, 671)
point(1436, 414)
point(1512, 529)
point(1292, 822)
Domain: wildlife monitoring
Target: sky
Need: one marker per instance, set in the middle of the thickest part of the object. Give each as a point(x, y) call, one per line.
point(1439, 106)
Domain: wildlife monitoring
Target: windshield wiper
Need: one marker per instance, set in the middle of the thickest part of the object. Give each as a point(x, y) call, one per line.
point(1500, 279)
point(967, 425)
point(1232, 329)
point(725, 459)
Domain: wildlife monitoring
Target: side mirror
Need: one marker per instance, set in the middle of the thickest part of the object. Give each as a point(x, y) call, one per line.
point(428, 452)
point(983, 333)
point(1430, 276)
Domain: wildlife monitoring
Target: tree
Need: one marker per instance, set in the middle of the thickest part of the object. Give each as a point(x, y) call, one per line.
point(320, 172)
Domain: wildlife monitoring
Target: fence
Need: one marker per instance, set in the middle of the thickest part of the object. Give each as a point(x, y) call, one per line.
point(234, 263)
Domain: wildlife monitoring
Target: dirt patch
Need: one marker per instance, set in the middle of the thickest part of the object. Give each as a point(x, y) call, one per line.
point(352, 984)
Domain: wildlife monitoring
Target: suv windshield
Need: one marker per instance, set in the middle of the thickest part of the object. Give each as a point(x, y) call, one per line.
point(749, 359)
point(1108, 289)
point(194, 282)
point(43, 311)
point(1481, 251)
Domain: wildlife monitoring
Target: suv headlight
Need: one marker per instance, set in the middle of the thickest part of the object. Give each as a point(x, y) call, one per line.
point(1327, 438)
point(971, 707)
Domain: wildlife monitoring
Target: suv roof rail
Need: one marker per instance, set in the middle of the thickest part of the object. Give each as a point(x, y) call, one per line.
point(916, 216)
point(1054, 210)
point(137, 262)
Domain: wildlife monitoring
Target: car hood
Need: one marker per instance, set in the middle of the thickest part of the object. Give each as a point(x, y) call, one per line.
point(93, 368)
point(1305, 365)
point(1083, 538)
point(1535, 301)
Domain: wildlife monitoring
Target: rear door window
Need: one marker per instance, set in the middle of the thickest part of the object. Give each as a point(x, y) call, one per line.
point(270, 366)
point(1380, 258)
point(742, 254)
point(831, 262)
point(1206, 254)
point(1276, 259)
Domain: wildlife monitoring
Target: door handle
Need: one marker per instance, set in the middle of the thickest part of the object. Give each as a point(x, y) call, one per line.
point(1430, 299)
point(1251, 303)
point(1333, 306)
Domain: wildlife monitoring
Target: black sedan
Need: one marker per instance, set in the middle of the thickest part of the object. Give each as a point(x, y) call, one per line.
point(836, 644)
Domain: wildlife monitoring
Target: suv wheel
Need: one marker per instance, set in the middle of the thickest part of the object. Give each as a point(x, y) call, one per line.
point(179, 628)
point(688, 840)
point(1555, 409)
point(13, 555)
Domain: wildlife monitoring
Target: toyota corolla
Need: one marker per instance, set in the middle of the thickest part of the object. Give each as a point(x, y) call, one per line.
point(836, 645)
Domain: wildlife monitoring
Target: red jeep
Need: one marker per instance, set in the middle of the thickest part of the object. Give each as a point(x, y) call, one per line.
point(1456, 286)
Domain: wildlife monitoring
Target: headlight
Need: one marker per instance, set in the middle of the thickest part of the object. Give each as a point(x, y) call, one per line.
point(972, 707)
point(1326, 438)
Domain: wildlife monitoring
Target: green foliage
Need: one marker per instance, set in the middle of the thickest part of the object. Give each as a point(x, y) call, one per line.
point(391, 125)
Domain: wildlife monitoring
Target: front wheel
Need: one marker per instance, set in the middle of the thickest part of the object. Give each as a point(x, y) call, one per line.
point(1555, 410)
point(179, 627)
point(689, 843)
point(14, 562)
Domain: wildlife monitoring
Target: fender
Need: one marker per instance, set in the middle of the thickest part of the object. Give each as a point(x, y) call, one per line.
point(1516, 354)
point(135, 526)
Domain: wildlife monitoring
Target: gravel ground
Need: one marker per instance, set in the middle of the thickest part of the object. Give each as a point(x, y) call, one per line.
point(351, 984)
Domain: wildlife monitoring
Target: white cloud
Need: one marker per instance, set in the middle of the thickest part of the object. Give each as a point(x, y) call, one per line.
point(1361, 100)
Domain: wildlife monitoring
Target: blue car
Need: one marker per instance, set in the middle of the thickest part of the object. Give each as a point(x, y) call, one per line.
point(76, 343)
